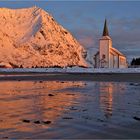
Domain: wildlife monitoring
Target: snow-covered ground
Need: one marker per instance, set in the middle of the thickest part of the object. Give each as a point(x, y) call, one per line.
point(71, 70)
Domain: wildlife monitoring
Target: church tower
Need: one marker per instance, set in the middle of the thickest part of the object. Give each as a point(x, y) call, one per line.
point(107, 56)
point(105, 44)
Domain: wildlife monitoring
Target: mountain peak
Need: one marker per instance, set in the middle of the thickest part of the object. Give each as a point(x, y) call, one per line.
point(32, 38)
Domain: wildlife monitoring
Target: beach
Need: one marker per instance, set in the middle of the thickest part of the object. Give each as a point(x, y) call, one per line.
point(69, 69)
point(28, 76)
point(79, 106)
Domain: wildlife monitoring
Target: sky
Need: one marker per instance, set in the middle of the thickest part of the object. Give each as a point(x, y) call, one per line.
point(85, 20)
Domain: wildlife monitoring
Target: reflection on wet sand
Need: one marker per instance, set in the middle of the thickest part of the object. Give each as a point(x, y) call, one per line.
point(106, 91)
point(106, 98)
point(31, 100)
point(72, 109)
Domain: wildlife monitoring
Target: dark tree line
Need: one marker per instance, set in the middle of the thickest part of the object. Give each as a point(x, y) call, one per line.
point(135, 61)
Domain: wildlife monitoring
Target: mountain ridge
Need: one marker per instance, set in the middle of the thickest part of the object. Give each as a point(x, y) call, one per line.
point(30, 37)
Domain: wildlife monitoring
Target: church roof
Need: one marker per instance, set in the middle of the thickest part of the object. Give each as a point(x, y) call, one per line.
point(118, 52)
point(105, 30)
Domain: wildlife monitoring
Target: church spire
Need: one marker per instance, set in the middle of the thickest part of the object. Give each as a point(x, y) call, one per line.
point(105, 31)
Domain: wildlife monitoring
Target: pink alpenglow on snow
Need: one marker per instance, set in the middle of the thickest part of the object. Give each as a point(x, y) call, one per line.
point(32, 38)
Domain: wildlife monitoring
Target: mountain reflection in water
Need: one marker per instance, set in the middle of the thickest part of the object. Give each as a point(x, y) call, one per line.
point(31, 100)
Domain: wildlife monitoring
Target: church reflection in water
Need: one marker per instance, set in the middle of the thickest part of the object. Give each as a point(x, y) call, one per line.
point(108, 93)
point(106, 98)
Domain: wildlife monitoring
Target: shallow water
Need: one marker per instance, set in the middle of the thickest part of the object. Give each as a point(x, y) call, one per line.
point(75, 109)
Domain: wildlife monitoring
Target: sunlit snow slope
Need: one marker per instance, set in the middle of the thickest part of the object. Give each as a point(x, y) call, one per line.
point(31, 37)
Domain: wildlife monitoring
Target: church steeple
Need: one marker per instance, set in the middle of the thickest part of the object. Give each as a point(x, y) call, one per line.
point(105, 31)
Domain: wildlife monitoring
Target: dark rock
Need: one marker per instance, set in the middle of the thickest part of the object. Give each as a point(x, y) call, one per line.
point(136, 118)
point(37, 122)
point(5, 137)
point(67, 118)
point(50, 95)
point(100, 120)
point(46, 122)
point(72, 108)
point(70, 94)
point(135, 84)
point(26, 121)
point(84, 110)
point(131, 84)
point(87, 117)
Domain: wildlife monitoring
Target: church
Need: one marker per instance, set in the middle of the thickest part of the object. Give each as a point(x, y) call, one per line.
point(107, 56)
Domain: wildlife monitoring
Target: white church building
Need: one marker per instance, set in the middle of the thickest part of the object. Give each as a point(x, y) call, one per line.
point(107, 56)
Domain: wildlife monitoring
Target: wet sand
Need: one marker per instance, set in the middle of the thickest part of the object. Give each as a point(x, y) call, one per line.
point(69, 109)
point(116, 77)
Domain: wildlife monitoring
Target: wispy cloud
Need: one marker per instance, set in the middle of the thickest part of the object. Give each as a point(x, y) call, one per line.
point(125, 34)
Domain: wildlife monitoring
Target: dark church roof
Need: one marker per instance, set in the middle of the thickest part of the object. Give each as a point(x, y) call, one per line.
point(105, 31)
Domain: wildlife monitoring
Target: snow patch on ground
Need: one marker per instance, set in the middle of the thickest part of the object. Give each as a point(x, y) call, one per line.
point(71, 70)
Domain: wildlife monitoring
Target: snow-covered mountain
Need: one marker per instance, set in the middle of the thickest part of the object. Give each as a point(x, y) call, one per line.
point(31, 37)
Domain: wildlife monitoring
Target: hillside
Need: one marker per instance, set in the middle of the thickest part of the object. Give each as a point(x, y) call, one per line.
point(32, 38)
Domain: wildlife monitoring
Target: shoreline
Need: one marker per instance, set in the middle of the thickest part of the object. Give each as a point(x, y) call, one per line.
point(56, 76)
